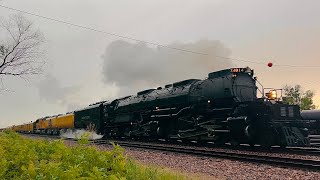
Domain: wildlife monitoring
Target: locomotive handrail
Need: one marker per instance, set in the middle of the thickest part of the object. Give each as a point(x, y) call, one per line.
point(262, 88)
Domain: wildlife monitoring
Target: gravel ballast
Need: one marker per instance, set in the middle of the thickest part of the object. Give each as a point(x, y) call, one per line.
point(217, 168)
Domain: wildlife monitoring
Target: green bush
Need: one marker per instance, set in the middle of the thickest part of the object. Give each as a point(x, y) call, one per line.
point(24, 158)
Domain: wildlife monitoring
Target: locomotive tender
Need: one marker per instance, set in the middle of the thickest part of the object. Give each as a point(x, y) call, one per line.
point(222, 108)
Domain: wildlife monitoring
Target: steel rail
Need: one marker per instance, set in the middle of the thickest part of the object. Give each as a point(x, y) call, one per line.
point(271, 160)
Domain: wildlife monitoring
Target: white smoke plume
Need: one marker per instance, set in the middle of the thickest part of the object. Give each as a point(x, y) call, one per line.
point(78, 133)
point(51, 90)
point(138, 66)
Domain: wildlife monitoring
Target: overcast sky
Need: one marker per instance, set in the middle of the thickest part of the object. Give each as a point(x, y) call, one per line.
point(85, 66)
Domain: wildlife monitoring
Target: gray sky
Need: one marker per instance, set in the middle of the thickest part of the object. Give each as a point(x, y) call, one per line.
point(79, 68)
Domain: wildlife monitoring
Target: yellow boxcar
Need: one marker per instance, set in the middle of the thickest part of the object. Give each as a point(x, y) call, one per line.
point(19, 128)
point(42, 123)
point(65, 121)
point(45, 124)
point(38, 123)
point(15, 128)
point(28, 127)
point(23, 128)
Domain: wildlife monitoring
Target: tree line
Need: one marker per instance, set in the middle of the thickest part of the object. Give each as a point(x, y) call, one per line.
point(295, 95)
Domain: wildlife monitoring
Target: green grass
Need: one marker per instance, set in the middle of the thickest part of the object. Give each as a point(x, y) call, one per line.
point(24, 158)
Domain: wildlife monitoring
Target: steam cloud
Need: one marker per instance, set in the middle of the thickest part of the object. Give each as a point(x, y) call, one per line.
point(50, 90)
point(137, 66)
point(79, 133)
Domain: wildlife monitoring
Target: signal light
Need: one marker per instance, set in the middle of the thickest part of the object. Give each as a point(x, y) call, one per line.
point(270, 64)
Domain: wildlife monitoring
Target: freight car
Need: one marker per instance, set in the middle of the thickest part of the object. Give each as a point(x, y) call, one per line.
point(53, 124)
point(222, 108)
point(25, 128)
point(312, 120)
point(88, 118)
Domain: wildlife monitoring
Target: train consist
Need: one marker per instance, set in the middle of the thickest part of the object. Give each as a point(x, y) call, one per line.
point(222, 108)
point(86, 118)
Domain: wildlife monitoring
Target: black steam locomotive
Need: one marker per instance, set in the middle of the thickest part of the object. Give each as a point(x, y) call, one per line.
point(222, 108)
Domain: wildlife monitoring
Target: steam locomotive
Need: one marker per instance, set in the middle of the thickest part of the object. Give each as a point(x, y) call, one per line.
point(222, 108)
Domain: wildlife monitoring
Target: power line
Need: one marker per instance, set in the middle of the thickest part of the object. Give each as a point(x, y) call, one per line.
point(263, 63)
point(147, 42)
point(296, 66)
point(104, 32)
point(233, 59)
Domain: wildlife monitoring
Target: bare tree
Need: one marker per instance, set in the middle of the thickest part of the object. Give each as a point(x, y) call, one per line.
point(20, 47)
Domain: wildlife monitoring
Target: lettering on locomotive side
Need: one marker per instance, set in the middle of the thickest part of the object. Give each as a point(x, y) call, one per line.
point(85, 117)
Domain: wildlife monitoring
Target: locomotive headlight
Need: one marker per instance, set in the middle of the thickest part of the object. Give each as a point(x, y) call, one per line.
point(272, 94)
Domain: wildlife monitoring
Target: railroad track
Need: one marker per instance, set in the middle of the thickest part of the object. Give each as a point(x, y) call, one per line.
point(271, 160)
point(315, 140)
point(312, 151)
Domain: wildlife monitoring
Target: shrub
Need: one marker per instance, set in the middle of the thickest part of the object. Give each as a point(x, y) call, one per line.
point(24, 158)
